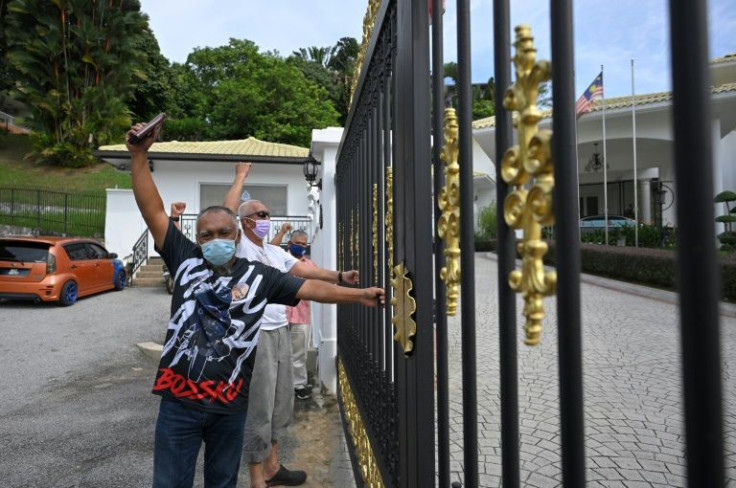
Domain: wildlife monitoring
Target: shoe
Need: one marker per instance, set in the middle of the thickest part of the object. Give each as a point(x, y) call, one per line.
point(284, 477)
point(302, 393)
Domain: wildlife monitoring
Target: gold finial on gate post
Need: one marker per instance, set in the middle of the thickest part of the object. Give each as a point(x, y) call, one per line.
point(448, 226)
point(529, 163)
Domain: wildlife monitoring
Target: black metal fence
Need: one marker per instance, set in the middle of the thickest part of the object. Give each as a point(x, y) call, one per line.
point(387, 216)
point(53, 212)
point(140, 254)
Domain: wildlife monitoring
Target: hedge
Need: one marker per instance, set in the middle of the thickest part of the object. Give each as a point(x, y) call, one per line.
point(653, 267)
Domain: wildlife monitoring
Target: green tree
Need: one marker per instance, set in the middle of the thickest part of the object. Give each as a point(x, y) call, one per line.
point(241, 92)
point(6, 74)
point(482, 95)
point(320, 75)
point(319, 55)
point(76, 63)
point(153, 94)
point(727, 238)
point(342, 62)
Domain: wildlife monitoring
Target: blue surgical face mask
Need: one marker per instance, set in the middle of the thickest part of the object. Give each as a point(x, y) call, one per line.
point(297, 250)
point(219, 251)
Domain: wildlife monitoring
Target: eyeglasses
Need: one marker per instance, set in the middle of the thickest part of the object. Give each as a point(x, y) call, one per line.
point(262, 214)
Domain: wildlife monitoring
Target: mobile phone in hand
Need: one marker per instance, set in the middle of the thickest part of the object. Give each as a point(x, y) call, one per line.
point(148, 129)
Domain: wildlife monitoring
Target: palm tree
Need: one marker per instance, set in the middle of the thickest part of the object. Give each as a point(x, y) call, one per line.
point(76, 63)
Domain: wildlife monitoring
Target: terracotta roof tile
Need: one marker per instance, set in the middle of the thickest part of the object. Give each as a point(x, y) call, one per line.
point(244, 147)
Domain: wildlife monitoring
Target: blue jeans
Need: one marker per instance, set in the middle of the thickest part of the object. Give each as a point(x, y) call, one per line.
point(180, 431)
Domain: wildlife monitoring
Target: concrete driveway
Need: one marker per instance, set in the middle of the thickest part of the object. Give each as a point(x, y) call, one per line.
point(77, 409)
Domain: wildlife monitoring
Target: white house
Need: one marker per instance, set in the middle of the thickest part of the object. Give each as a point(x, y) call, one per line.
point(654, 149)
point(200, 173)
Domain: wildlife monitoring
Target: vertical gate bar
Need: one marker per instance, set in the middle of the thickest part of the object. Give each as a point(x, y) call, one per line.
point(380, 179)
point(387, 152)
point(506, 256)
point(414, 224)
point(369, 225)
point(355, 162)
point(697, 266)
point(375, 255)
point(359, 224)
point(365, 237)
point(467, 247)
point(438, 106)
point(568, 246)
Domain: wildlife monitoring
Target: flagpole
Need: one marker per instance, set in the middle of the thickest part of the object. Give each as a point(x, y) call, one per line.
point(605, 159)
point(577, 175)
point(636, 174)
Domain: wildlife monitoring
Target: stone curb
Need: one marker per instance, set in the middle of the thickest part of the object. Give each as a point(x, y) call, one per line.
point(151, 350)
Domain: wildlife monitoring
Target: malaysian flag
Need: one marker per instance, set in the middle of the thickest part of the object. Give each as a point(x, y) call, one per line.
point(595, 90)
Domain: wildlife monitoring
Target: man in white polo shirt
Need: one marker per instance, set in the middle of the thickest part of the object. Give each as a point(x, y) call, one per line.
point(271, 403)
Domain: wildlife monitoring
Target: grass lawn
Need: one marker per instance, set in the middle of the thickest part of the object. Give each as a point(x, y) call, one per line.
point(15, 171)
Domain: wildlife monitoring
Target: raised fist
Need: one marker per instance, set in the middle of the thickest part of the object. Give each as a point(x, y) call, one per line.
point(242, 169)
point(177, 208)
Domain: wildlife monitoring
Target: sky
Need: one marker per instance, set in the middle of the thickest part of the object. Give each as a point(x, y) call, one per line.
point(606, 32)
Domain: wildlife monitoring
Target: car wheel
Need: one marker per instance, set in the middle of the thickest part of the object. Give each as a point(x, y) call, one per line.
point(170, 285)
point(120, 280)
point(68, 294)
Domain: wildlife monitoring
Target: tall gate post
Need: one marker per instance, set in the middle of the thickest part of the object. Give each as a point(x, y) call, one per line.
point(697, 265)
point(413, 207)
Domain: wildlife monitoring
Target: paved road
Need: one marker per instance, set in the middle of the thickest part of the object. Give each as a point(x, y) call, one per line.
point(633, 412)
point(77, 409)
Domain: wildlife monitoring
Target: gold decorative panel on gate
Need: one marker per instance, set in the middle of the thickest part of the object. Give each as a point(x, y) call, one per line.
point(358, 435)
point(528, 167)
point(448, 226)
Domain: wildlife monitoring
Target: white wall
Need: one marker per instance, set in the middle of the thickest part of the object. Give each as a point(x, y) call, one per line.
point(727, 160)
point(123, 222)
point(484, 191)
point(181, 180)
point(324, 253)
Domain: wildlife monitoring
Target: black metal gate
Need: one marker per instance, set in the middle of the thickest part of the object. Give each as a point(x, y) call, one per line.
point(405, 220)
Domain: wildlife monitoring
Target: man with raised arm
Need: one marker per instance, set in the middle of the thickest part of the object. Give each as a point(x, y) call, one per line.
point(271, 406)
point(208, 356)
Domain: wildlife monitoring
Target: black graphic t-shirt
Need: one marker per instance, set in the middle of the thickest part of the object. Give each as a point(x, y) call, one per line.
point(208, 355)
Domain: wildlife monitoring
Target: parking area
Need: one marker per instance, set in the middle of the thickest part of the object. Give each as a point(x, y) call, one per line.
point(77, 409)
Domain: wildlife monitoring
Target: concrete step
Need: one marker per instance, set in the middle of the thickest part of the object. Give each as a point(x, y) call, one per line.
point(152, 267)
point(148, 282)
point(145, 273)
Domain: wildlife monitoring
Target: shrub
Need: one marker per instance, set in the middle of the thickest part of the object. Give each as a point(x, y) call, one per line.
point(654, 267)
point(64, 154)
point(727, 238)
point(487, 223)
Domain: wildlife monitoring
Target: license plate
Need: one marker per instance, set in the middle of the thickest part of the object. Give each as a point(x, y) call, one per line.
point(14, 271)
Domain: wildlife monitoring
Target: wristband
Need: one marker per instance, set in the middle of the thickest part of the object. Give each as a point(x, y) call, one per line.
point(174, 219)
point(339, 277)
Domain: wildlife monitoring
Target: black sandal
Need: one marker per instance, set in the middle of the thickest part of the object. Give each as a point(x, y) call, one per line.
point(284, 477)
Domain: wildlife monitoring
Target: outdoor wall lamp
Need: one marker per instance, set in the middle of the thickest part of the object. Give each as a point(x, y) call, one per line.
point(311, 169)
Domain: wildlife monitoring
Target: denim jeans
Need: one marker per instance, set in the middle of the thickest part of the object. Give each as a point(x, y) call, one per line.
point(180, 431)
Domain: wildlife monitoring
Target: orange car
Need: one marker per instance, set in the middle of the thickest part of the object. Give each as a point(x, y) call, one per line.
point(59, 269)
